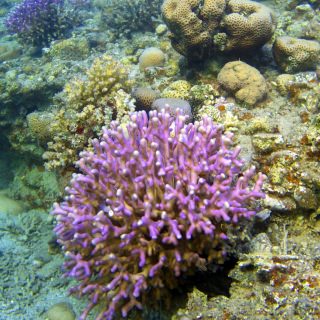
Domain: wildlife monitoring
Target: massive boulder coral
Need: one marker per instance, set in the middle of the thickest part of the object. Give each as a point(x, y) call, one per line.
point(154, 202)
point(249, 25)
point(245, 82)
point(87, 105)
point(200, 28)
point(294, 54)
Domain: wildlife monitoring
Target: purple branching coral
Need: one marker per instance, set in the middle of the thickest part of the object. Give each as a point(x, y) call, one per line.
point(154, 202)
point(38, 22)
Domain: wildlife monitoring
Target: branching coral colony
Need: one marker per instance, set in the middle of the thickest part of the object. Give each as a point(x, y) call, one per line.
point(37, 22)
point(89, 104)
point(155, 200)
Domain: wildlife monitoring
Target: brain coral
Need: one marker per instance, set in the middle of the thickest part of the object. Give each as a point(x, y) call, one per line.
point(188, 33)
point(154, 201)
point(200, 28)
point(294, 55)
point(151, 57)
point(245, 82)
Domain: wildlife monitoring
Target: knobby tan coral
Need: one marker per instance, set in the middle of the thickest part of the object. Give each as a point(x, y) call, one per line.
point(245, 82)
point(250, 25)
point(294, 54)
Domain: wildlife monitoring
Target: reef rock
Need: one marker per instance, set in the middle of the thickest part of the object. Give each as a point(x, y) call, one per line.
point(172, 104)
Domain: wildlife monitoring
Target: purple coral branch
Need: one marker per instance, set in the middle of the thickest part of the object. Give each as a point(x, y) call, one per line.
point(151, 197)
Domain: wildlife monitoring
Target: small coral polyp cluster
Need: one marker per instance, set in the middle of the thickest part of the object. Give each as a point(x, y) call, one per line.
point(155, 200)
point(38, 22)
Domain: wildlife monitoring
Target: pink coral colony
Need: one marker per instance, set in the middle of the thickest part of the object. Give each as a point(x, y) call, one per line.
point(153, 202)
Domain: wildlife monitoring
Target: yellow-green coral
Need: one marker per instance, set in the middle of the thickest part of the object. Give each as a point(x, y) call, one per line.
point(211, 111)
point(265, 143)
point(177, 89)
point(88, 104)
point(313, 134)
point(258, 125)
point(283, 83)
point(203, 94)
point(69, 49)
point(206, 101)
point(311, 100)
point(230, 121)
point(202, 99)
point(277, 173)
point(22, 141)
point(39, 125)
point(123, 103)
point(106, 76)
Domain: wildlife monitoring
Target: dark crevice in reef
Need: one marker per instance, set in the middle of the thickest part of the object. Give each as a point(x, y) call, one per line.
point(6, 162)
point(217, 282)
point(213, 282)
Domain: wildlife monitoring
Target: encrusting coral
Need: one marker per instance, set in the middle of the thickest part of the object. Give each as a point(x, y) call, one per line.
point(34, 187)
point(154, 201)
point(69, 49)
point(88, 105)
point(198, 29)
